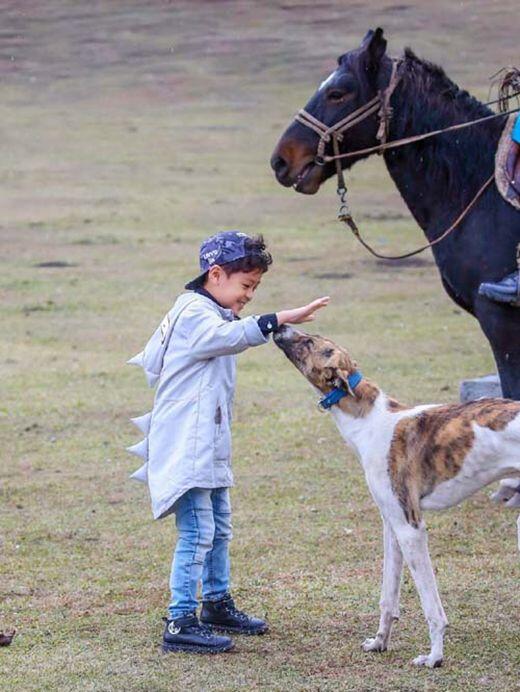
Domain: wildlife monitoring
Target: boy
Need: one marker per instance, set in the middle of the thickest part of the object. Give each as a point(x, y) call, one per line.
point(191, 358)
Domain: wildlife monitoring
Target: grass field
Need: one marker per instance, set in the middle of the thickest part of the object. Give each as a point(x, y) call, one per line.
point(130, 131)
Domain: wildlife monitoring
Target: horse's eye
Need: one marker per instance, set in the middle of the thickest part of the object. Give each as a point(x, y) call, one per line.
point(336, 95)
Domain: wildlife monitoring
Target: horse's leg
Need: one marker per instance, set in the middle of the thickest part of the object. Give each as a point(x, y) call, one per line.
point(501, 325)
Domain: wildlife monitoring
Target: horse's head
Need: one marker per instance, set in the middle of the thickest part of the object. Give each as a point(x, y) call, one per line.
point(360, 74)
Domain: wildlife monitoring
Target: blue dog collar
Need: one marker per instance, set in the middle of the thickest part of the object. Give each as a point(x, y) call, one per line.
point(338, 392)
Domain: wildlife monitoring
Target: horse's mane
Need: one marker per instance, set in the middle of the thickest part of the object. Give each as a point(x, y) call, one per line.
point(434, 101)
point(431, 82)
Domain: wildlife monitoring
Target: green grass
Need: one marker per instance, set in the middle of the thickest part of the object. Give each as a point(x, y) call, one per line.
point(132, 131)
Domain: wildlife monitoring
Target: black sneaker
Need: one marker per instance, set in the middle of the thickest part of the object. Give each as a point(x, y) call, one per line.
point(189, 635)
point(224, 617)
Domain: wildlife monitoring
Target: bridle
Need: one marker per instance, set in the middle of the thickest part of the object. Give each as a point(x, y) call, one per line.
point(379, 104)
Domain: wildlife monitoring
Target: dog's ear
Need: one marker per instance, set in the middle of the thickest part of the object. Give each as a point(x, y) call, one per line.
point(342, 381)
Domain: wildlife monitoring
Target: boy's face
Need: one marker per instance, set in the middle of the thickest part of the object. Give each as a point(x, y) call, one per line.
point(233, 291)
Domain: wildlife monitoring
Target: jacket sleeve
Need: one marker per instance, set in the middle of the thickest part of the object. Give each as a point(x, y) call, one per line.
point(209, 335)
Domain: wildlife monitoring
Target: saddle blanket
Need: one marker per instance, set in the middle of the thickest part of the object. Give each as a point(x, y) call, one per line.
point(507, 164)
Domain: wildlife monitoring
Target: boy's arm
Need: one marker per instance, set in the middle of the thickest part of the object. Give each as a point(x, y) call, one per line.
point(303, 314)
point(209, 335)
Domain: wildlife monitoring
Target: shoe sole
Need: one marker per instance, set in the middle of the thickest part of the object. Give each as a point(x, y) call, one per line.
point(231, 630)
point(187, 649)
point(510, 298)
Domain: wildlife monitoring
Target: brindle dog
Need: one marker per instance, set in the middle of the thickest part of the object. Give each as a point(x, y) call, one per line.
point(425, 457)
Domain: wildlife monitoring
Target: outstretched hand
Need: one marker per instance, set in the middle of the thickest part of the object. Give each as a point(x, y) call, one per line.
point(303, 314)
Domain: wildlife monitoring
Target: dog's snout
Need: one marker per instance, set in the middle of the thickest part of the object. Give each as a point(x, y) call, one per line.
point(283, 334)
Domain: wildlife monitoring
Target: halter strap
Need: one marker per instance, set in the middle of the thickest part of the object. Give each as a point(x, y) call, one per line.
point(379, 104)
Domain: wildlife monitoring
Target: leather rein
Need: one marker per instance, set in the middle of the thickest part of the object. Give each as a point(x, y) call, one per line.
point(379, 104)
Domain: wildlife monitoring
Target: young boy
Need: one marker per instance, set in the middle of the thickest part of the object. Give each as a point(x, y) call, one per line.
point(191, 358)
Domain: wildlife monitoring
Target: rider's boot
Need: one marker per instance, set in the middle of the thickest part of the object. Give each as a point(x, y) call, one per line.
point(507, 290)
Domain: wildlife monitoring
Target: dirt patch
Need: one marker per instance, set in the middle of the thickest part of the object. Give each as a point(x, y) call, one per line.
point(399, 265)
point(55, 264)
point(336, 276)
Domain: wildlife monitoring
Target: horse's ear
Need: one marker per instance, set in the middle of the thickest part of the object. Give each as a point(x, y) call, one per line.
point(375, 46)
point(367, 38)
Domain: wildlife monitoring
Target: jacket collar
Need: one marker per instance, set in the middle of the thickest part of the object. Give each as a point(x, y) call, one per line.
point(206, 294)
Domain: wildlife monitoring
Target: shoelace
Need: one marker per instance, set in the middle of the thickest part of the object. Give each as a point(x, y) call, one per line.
point(205, 631)
point(232, 610)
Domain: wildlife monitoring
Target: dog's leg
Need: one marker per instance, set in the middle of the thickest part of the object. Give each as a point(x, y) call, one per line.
point(389, 603)
point(414, 545)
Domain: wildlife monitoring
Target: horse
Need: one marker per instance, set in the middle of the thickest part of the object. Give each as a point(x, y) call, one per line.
point(437, 177)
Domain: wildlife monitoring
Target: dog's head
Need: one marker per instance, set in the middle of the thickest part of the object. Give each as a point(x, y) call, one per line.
point(326, 366)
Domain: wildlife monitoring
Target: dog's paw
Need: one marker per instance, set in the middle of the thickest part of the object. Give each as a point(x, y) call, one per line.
point(429, 661)
point(373, 644)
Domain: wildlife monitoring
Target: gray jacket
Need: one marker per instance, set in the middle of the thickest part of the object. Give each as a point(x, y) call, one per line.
point(191, 359)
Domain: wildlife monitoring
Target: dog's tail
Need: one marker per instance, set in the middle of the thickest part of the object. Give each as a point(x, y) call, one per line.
point(509, 494)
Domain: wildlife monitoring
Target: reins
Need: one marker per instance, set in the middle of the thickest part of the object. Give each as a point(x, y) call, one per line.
point(347, 218)
point(381, 104)
point(416, 138)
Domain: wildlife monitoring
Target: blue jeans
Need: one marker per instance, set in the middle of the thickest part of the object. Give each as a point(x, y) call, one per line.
point(203, 520)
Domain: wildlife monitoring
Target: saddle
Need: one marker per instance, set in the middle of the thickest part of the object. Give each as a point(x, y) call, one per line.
point(507, 165)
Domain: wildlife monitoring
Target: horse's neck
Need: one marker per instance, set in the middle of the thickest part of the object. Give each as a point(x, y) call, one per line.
point(439, 176)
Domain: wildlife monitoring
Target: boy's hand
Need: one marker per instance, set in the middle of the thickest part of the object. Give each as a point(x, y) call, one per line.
point(303, 314)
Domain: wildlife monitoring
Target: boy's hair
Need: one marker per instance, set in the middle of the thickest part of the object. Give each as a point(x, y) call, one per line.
point(258, 257)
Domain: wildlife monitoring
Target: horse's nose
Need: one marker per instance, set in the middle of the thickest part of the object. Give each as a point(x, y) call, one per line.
point(280, 167)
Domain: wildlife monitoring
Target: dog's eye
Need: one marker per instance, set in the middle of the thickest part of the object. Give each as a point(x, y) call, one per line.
point(327, 353)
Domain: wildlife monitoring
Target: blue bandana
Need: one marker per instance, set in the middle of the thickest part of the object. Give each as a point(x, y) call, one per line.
point(220, 248)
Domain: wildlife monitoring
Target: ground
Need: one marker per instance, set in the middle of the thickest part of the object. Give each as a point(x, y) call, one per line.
point(130, 131)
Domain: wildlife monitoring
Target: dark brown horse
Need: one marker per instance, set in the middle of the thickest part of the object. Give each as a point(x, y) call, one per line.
point(436, 177)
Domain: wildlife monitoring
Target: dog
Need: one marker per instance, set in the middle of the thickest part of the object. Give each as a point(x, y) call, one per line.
point(414, 459)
